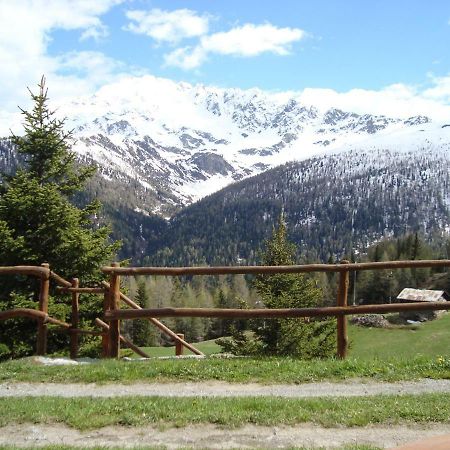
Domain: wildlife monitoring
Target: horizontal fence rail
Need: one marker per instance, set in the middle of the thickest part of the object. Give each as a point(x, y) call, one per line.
point(271, 313)
point(167, 331)
point(110, 333)
point(256, 270)
point(32, 314)
point(45, 275)
point(37, 271)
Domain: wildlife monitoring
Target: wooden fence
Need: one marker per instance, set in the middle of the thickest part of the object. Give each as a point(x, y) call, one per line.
point(44, 274)
point(112, 298)
point(340, 311)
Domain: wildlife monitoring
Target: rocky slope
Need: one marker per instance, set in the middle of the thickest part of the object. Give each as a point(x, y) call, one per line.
point(174, 143)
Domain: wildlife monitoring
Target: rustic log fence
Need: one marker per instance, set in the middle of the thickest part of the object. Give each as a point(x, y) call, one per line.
point(73, 288)
point(112, 298)
point(341, 311)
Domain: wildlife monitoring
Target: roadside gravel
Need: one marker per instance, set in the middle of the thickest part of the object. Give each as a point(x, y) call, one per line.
point(214, 437)
point(349, 388)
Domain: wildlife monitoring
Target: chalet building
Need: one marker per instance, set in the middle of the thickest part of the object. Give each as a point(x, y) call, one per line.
point(409, 295)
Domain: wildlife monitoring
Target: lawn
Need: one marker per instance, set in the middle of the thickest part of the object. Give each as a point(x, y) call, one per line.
point(376, 354)
point(233, 370)
point(431, 339)
point(92, 413)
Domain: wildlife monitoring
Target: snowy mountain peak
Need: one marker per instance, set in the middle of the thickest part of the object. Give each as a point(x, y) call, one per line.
point(186, 141)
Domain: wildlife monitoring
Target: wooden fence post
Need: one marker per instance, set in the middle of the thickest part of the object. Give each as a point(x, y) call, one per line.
point(41, 344)
point(178, 345)
point(342, 339)
point(114, 325)
point(75, 320)
point(105, 336)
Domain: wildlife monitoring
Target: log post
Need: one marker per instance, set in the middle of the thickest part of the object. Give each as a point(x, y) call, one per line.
point(114, 325)
point(178, 345)
point(41, 344)
point(75, 320)
point(105, 336)
point(342, 338)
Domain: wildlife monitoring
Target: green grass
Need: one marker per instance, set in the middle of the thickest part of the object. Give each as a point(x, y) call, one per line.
point(244, 370)
point(430, 339)
point(93, 413)
point(206, 347)
point(379, 354)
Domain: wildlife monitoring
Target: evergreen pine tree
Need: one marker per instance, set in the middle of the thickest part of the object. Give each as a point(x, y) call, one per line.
point(38, 222)
point(306, 338)
point(143, 333)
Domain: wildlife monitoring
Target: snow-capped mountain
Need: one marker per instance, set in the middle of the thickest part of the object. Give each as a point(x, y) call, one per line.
point(174, 143)
point(333, 205)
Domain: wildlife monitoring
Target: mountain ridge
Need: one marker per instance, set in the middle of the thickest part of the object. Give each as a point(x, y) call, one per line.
point(182, 142)
point(160, 146)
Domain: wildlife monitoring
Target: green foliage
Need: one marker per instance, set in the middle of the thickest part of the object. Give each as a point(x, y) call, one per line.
point(39, 223)
point(383, 286)
point(305, 338)
point(46, 147)
point(143, 333)
point(240, 343)
point(232, 293)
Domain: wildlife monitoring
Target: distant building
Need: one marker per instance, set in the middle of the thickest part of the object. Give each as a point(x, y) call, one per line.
point(422, 295)
point(409, 295)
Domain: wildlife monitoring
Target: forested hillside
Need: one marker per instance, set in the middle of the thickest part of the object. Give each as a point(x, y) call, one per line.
point(332, 205)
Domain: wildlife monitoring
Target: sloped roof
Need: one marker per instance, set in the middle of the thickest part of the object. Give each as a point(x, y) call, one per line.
point(423, 295)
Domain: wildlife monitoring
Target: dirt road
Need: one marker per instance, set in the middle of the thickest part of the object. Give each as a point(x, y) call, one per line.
point(348, 388)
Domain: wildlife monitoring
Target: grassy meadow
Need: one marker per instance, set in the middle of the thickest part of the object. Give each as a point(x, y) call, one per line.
point(429, 339)
point(400, 353)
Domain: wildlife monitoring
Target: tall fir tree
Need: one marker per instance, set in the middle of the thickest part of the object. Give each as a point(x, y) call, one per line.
point(143, 333)
point(306, 338)
point(39, 223)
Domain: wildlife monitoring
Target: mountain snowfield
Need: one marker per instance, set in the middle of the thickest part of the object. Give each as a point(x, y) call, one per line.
point(176, 143)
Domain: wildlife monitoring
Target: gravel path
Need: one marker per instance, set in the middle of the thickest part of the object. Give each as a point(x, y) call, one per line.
point(213, 437)
point(349, 388)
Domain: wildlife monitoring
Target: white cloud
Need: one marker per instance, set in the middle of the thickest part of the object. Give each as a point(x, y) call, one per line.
point(25, 32)
point(396, 100)
point(168, 26)
point(440, 88)
point(186, 58)
point(252, 40)
point(246, 41)
point(97, 33)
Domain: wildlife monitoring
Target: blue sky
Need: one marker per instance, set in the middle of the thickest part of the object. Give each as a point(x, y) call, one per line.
point(396, 48)
point(347, 44)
